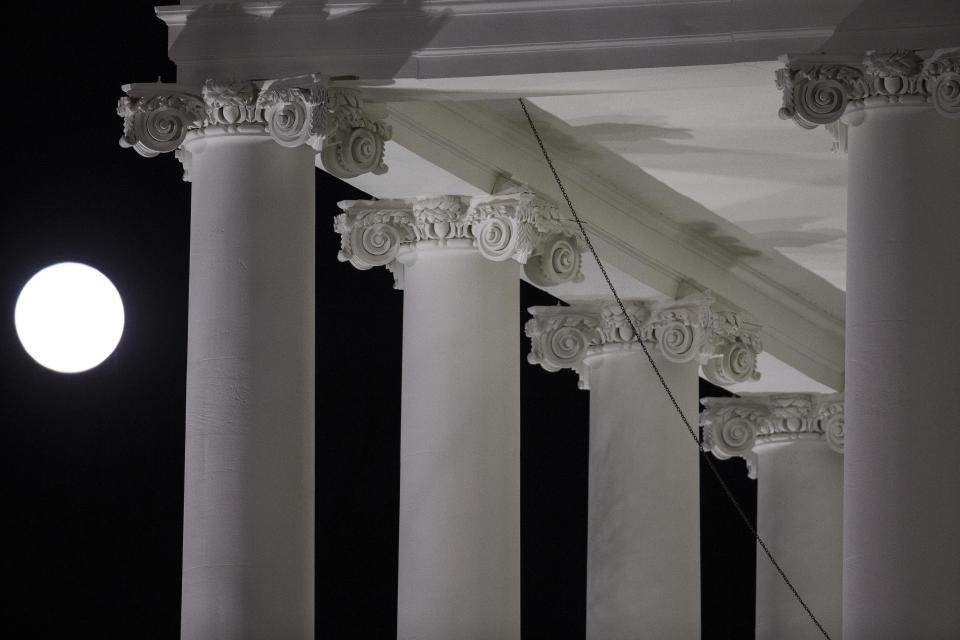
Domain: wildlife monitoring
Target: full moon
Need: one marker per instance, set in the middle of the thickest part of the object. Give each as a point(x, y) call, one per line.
point(69, 317)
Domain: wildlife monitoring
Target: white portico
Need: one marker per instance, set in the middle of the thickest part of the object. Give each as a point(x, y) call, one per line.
point(662, 118)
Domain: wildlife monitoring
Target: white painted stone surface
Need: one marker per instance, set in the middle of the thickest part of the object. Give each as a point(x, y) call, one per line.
point(791, 443)
point(901, 575)
point(456, 259)
point(248, 147)
point(799, 516)
point(643, 530)
point(459, 571)
point(248, 558)
point(902, 483)
point(439, 39)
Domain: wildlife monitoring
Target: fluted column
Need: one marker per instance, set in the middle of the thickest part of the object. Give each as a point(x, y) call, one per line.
point(248, 530)
point(791, 443)
point(643, 532)
point(902, 459)
point(456, 259)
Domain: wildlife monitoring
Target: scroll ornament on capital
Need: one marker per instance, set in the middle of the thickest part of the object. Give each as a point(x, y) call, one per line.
point(819, 89)
point(686, 330)
point(736, 427)
point(307, 110)
point(516, 226)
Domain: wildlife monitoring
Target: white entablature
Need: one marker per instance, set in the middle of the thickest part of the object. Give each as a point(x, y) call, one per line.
point(440, 39)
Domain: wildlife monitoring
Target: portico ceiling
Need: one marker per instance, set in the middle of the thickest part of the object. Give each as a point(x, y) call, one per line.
point(726, 149)
point(686, 175)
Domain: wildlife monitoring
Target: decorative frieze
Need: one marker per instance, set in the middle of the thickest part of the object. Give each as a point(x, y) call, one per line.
point(334, 121)
point(739, 426)
point(725, 345)
point(515, 226)
point(819, 89)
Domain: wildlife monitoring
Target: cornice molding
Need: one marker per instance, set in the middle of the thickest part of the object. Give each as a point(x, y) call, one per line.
point(685, 330)
point(461, 38)
point(821, 89)
point(511, 226)
point(738, 427)
point(431, 39)
point(175, 15)
point(307, 110)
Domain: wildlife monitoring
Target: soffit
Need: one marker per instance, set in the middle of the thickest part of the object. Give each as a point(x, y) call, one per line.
point(724, 148)
point(678, 176)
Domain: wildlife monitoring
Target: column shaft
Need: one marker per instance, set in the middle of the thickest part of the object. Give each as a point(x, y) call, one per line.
point(459, 566)
point(799, 516)
point(902, 467)
point(643, 555)
point(248, 560)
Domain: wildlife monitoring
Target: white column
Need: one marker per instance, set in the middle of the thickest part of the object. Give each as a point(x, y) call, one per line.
point(248, 522)
point(791, 443)
point(248, 479)
point(459, 571)
point(456, 260)
point(643, 526)
point(902, 477)
point(902, 560)
point(643, 535)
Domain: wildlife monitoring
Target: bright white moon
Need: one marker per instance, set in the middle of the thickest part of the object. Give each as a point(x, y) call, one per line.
point(69, 317)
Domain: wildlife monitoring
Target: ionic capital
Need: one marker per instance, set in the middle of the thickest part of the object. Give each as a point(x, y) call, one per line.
point(819, 89)
point(334, 121)
point(690, 329)
point(742, 426)
point(516, 226)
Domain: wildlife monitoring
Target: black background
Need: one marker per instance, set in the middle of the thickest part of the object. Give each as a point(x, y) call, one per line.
point(92, 463)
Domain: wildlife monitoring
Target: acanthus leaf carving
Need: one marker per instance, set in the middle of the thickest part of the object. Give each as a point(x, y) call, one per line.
point(819, 90)
point(230, 103)
point(684, 330)
point(374, 239)
point(739, 427)
point(353, 141)
point(830, 415)
point(945, 94)
point(558, 262)
point(680, 328)
point(305, 110)
point(497, 237)
point(732, 433)
point(289, 114)
point(516, 226)
point(158, 123)
point(892, 63)
point(560, 340)
point(736, 344)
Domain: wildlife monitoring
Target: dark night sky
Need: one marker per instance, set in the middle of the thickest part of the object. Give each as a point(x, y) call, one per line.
point(92, 463)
